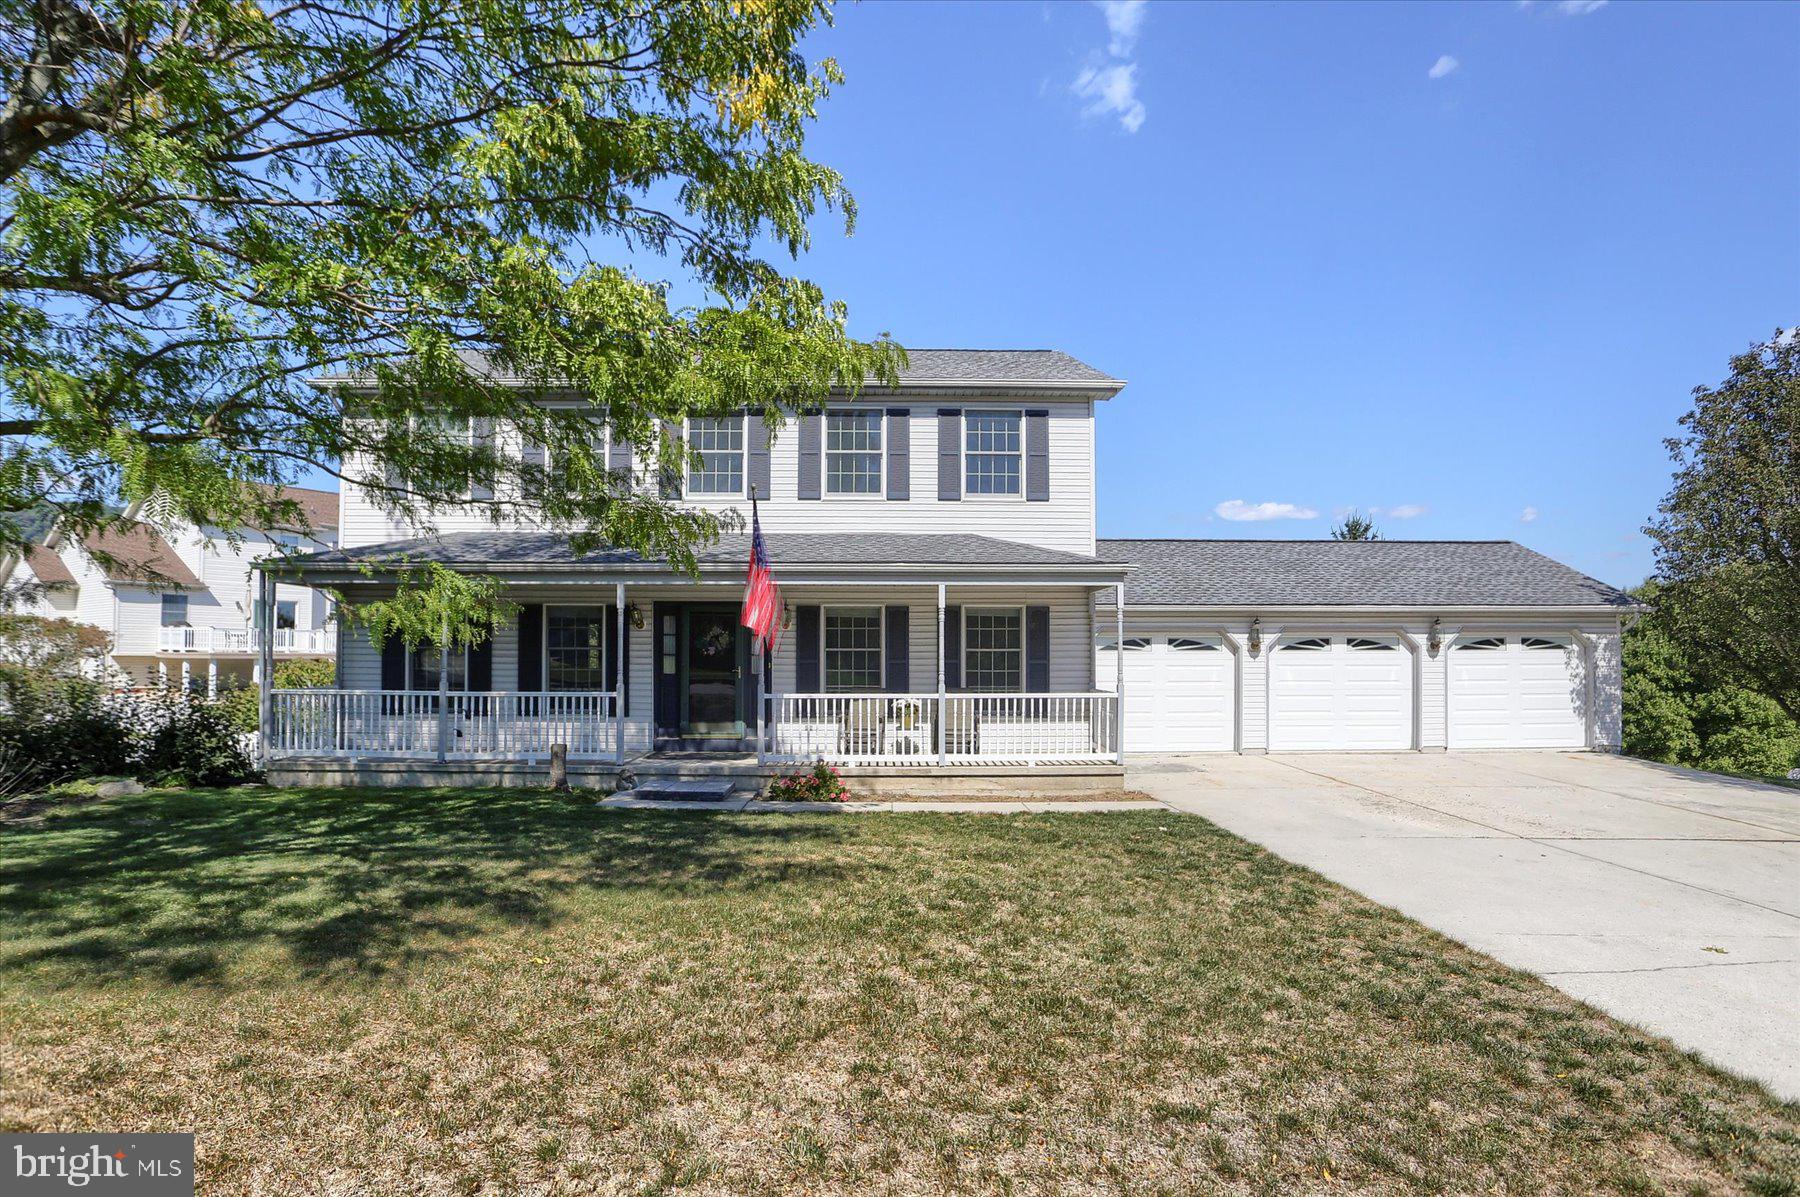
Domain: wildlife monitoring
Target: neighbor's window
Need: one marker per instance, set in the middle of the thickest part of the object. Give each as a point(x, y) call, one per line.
point(994, 651)
point(422, 668)
point(575, 648)
point(853, 453)
point(174, 610)
point(852, 649)
point(287, 614)
point(719, 442)
point(992, 453)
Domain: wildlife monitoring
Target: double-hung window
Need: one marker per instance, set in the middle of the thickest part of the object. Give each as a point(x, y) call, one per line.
point(994, 650)
point(993, 455)
point(448, 432)
point(853, 453)
point(174, 610)
point(422, 668)
point(718, 465)
point(575, 648)
point(556, 465)
point(852, 649)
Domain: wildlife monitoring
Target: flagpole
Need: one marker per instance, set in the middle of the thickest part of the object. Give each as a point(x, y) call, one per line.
point(756, 660)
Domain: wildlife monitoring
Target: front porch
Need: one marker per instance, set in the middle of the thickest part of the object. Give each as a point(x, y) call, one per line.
point(978, 657)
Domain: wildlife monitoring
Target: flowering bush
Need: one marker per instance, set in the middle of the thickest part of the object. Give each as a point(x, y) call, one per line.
point(820, 784)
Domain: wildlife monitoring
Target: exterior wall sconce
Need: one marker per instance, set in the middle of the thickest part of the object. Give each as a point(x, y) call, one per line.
point(1255, 636)
point(787, 616)
point(1435, 640)
point(635, 614)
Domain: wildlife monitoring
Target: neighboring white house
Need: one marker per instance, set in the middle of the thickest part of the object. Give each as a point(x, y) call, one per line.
point(178, 604)
point(948, 604)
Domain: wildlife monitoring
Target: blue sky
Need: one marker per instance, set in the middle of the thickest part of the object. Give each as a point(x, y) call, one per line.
point(1458, 263)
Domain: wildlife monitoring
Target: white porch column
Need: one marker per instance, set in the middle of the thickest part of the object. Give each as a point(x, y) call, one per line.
point(620, 666)
point(162, 675)
point(942, 712)
point(443, 736)
point(187, 676)
point(1119, 672)
point(265, 658)
point(212, 677)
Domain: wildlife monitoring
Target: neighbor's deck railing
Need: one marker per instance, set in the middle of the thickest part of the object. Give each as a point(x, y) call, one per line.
point(416, 723)
point(243, 640)
point(858, 729)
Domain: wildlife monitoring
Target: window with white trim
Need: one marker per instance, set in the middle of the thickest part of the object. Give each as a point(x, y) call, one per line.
point(454, 430)
point(1313, 645)
point(1485, 644)
point(287, 614)
point(1136, 643)
point(1542, 642)
point(718, 468)
point(575, 649)
point(422, 668)
point(174, 610)
point(1361, 644)
point(994, 650)
point(853, 453)
point(852, 649)
point(556, 461)
point(993, 452)
point(1185, 644)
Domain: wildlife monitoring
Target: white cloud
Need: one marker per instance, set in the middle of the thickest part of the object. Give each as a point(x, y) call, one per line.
point(1237, 509)
point(1124, 19)
point(1406, 511)
point(1111, 90)
point(1579, 8)
point(1443, 66)
point(1527, 515)
point(1107, 85)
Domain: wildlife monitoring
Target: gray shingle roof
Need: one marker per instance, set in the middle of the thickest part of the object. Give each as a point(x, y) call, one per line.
point(1000, 365)
point(525, 550)
point(925, 367)
point(1304, 573)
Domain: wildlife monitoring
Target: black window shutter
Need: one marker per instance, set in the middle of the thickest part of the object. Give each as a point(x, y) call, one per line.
point(625, 665)
point(1037, 457)
point(482, 484)
point(899, 453)
point(756, 450)
point(672, 472)
point(812, 432)
point(531, 647)
point(806, 650)
point(393, 663)
point(1037, 650)
point(952, 648)
point(949, 454)
point(899, 664)
point(612, 654)
point(664, 660)
point(481, 666)
point(618, 457)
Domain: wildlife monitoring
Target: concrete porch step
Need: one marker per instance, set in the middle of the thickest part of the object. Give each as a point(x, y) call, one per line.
point(682, 789)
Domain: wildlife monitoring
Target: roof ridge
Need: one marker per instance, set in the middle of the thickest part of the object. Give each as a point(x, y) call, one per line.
point(1293, 540)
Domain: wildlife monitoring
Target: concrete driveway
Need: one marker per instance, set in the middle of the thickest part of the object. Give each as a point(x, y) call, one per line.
point(1665, 897)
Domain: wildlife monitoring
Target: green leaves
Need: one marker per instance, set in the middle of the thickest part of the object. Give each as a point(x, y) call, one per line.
point(1728, 534)
point(455, 207)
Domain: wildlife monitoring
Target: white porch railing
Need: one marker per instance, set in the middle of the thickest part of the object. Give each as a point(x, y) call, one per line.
point(866, 729)
point(243, 640)
point(414, 723)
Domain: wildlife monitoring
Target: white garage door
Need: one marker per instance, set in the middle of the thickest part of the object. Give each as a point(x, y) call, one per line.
point(1517, 692)
point(1179, 692)
point(1340, 692)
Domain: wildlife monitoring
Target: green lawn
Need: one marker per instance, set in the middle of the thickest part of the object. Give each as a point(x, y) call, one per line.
point(503, 992)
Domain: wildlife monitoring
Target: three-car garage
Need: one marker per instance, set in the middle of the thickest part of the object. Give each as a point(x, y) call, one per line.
point(1387, 646)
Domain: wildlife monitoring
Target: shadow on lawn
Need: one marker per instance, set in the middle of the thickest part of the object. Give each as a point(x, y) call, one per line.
point(175, 885)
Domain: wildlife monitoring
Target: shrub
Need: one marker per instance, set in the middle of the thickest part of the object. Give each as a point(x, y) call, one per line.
point(189, 741)
point(309, 673)
point(819, 784)
point(165, 737)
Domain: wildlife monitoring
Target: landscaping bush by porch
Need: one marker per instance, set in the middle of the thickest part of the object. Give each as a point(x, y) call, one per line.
point(491, 991)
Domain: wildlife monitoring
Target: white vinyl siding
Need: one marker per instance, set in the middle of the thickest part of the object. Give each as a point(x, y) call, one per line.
point(1065, 522)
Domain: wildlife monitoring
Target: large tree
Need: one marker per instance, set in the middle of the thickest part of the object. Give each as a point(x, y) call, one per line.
point(206, 204)
point(1728, 534)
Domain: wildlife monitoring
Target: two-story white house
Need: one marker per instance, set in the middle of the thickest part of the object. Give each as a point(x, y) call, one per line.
point(179, 604)
point(948, 606)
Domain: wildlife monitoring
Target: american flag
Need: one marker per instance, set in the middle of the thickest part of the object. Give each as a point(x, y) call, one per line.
point(762, 598)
